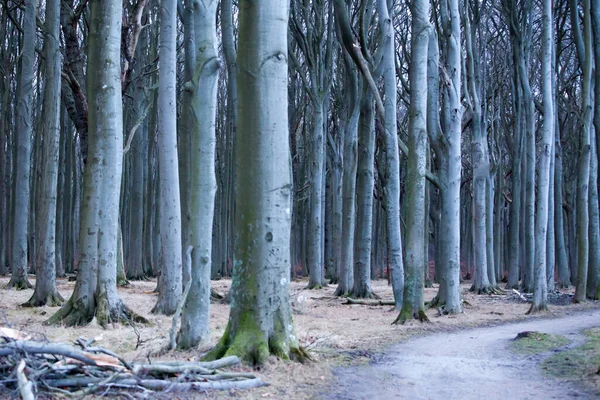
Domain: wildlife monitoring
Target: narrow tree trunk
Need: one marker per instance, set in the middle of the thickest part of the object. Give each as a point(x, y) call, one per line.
point(413, 306)
point(540, 289)
point(170, 206)
point(45, 284)
point(204, 85)
point(24, 116)
point(392, 157)
point(346, 279)
point(364, 198)
point(584, 160)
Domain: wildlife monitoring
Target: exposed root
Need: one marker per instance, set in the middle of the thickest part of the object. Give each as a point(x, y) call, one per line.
point(18, 284)
point(406, 314)
point(537, 309)
point(334, 281)
point(72, 314)
point(340, 292)
point(435, 302)
point(251, 347)
point(488, 289)
point(216, 296)
point(315, 286)
point(54, 299)
point(363, 294)
point(428, 283)
point(122, 282)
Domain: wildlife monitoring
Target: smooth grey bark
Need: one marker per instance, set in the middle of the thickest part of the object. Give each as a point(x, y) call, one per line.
point(540, 288)
point(480, 159)
point(594, 227)
point(204, 85)
point(584, 159)
point(260, 321)
point(45, 292)
point(414, 261)
point(24, 121)
point(392, 155)
point(593, 289)
point(185, 126)
point(352, 113)
point(170, 289)
point(364, 197)
point(134, 264)
point(551, 236)
point(95, 293)
point(564, 278)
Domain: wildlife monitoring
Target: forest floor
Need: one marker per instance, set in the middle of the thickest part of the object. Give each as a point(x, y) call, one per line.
point(335, 334)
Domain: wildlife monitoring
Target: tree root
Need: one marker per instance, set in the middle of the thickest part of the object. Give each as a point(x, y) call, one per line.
point(428, 283)
point(18, 284)
point(315, 286)
point(252, 348)
point(53, 299)
point(363, 294)
point(339, 292)
point(537, 309)
point(405, 315)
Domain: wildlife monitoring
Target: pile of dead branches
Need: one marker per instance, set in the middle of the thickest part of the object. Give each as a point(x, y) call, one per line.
point(33, 368)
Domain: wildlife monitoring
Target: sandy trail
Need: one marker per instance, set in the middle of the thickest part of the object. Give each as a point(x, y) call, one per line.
point(470, 364)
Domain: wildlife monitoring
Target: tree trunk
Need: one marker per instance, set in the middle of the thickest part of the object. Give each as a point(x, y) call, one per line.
point(24, 117)
point(204, 85)
point(584, 159)
point(413, 306)
point(95, 292)
point(260, 321)
point(540, 289)
point(45, 284)
point(364, 198)
point(346, 278)
point(170, 206)
point(392, 157)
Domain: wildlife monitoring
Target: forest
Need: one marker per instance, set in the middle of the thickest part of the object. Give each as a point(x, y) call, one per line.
point(270, 161)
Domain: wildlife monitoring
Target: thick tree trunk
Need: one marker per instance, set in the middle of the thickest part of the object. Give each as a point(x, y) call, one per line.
point(593, 289)
point(413, 306)
point(95, 293)
point(24, 116)
point(594, 227)
point(45, 284)
point(170, 206)
point(260, 321)
point(204, 85)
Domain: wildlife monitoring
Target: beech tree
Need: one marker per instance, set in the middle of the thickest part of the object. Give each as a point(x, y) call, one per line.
point(260, 320)
point(95, 293)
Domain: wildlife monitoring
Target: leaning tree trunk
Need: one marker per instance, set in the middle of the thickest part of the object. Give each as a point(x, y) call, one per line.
point(45, 284)
point(412, 305)
point(204, 85)
point(260, 321)
point(540, 288)
point(24, 111)
point(584, 160)
point(170, 206)
point(95, 293)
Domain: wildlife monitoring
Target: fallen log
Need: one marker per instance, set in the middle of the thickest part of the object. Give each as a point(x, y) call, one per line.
point(369, 302)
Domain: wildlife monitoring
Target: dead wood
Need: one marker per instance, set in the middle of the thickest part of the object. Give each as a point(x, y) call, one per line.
point(366, 302)
point(83, 369)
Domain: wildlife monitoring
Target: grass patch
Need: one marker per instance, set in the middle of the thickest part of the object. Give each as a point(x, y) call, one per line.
point(529, 343)
point(580, 363)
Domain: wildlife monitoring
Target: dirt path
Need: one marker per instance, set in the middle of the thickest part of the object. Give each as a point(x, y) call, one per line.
point(471, 364)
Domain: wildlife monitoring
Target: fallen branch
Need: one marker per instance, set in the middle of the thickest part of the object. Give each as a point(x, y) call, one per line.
point(25, 387)
point(367, 302)
point(63, 369)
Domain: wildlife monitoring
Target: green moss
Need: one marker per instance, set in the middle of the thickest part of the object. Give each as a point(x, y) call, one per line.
point(578, 364)
point(536, 342)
